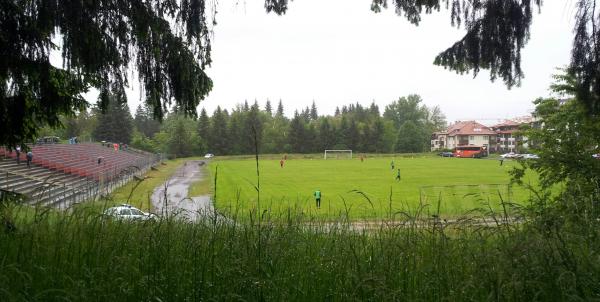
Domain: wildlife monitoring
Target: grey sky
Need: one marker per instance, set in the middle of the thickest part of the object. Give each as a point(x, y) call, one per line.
point(337, 51)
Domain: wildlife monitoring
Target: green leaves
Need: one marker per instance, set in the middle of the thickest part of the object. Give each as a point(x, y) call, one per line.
point(99, 41)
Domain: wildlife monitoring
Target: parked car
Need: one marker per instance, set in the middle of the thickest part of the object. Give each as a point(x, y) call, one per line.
point(596, 156)
point(510, 155)
point(128, 212)
point(530, 156)
point(209, 155)
point(446, 154)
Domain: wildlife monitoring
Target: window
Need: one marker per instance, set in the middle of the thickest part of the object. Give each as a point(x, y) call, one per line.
point(471, 138)
point(136, 212)
point(485, 138)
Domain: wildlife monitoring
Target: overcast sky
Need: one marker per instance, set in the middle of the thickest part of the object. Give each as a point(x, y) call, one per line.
point(337, 52)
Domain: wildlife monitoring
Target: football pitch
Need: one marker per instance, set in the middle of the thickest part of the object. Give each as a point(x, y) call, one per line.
point(447, 187)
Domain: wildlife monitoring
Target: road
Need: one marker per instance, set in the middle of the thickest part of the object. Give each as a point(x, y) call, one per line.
point(171, 198)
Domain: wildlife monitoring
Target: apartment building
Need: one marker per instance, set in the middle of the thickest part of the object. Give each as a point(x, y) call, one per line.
point(502, 137)
point(509, 139)
point(465, 133)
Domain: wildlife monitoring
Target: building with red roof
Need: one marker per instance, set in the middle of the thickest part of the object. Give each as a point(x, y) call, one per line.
point(502, 137)
point(464, 133)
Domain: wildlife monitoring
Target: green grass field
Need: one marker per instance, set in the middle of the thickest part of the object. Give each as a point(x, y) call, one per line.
point(423, 181)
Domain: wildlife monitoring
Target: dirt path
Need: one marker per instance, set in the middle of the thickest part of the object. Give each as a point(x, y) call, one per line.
point(170, 198)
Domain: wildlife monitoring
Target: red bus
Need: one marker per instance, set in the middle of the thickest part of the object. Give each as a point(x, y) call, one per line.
point(470, 151)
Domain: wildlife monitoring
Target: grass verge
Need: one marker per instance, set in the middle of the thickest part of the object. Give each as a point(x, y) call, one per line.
point(82, 256)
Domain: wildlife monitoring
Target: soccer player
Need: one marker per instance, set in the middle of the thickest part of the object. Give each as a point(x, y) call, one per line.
point(318, 198)
point(398, 175)
point(392, 164)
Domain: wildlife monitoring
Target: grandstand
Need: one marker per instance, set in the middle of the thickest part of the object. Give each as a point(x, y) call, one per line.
point(63, 174)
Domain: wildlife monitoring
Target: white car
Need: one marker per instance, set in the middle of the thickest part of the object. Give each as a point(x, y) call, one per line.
point(509, 155)
point(209, 155)
point(128, 212)
point(530, 156)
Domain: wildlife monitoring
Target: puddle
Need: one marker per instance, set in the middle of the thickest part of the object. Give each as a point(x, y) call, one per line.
point(175, 202)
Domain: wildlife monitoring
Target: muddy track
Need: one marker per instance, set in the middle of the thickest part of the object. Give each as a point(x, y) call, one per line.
point(171, 198)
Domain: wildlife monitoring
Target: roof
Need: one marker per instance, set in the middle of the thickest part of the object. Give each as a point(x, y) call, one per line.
point(469, 128)
point(506, 123)
point(517, 121)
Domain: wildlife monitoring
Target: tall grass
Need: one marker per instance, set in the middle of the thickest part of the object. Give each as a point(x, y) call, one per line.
point(81, 255)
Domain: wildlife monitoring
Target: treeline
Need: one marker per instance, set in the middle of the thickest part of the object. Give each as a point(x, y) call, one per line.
point(405, 126)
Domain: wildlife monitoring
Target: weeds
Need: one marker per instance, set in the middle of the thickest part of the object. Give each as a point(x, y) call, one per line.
point(80, 255)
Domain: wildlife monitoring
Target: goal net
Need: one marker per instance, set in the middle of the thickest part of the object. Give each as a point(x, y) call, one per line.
point(338, 154)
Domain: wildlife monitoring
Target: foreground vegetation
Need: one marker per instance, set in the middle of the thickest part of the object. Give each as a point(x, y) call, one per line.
point(368, 189)
point(83, 256)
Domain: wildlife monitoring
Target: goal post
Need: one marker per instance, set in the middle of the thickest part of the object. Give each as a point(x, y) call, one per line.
point(338, 154)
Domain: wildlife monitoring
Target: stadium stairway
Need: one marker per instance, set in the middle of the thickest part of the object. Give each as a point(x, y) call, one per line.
point(43, 186)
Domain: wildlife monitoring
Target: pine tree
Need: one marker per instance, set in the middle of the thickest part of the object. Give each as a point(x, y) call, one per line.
point(204, 127)
point(116, 125)
point(313, 112)
point(352, 136)
point(279, 109)
point(219, 137)
point(376, 137)
point(268, 108)
point(297, 134)
point(144, 122)
point(99, 41)
point(326, 135)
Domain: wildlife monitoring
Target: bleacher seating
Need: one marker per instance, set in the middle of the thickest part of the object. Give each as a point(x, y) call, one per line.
point(82, 159)
point(62, 174)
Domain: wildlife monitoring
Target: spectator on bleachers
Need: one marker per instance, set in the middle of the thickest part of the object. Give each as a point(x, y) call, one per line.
point(18, 151)
point(99, 160)
point(29, 159)
point(116, 146)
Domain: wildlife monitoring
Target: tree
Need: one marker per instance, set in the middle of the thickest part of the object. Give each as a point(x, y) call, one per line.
point(313, 112)
point(100, 41)
point(204, 126)
point(297, 134)
point(268, 108)
point(352, 136)
point(409, 138)
point(98, 51)
point(144, 122)
point(375, 137)
point(279, 110)
point(219, 137)
point(183, 141)
point(116, 125)
point(436, 119)
point(406, 109)
point(565, 137)
point(252, 130)
point(326, 136)
point(496, 33)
